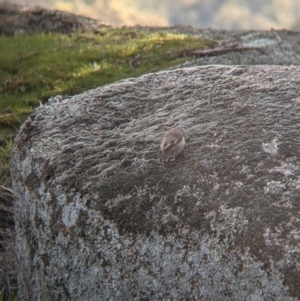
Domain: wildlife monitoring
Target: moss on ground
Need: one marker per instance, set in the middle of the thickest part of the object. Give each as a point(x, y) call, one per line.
point(35, 67)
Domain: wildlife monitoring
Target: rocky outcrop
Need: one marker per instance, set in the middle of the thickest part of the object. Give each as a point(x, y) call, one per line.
point(20, 19)
point(274, 47)
point(98, 217)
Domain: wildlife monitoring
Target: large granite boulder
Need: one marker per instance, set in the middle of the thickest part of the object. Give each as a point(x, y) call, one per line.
point(98, 217)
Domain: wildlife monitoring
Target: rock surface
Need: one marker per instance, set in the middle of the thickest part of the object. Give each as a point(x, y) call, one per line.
point(274, 47)
point(99, 218)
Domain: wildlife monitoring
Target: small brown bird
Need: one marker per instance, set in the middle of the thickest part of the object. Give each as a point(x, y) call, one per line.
point(172, 144)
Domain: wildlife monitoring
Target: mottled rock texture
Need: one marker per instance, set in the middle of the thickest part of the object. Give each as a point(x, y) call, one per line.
point(98, 217)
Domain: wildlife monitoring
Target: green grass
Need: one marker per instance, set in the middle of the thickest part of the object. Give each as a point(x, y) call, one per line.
point(5, 152)
point(35, 67)
point(10, 298)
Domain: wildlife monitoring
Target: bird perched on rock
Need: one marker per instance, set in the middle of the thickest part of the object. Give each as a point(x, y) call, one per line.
point(172, 144)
